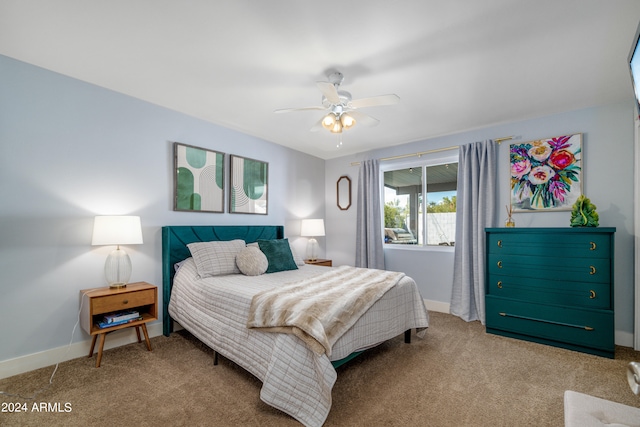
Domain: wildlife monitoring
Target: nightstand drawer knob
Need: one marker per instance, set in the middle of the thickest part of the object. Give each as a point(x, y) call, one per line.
point(499, 264)
point(592, 294)
point(593, 246)
point(125, 301)
point(593, 270)
point(499, 243)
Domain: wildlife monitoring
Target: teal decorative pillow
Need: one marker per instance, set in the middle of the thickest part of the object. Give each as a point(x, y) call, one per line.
point(278, 253)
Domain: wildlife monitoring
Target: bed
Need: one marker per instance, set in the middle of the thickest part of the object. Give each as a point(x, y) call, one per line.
point(296, 379)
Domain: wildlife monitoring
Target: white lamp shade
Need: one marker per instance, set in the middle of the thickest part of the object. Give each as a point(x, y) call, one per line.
point(312, 228)
point(117, 230)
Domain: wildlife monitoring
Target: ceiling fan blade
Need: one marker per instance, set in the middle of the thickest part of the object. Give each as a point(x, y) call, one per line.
point(375, 101)
point(329, 91)
point(363, 119)
point(317, 127)
point(288, 110)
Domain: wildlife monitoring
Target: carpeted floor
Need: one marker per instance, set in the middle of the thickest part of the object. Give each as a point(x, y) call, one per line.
point(457, 376)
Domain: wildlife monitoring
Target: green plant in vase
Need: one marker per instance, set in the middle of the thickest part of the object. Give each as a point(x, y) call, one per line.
point(583, 213)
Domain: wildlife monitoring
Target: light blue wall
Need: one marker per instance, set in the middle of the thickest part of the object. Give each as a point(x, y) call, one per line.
point(72, 150)
point(608, 149)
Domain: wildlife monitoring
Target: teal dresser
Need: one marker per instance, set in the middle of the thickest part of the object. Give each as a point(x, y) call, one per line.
point(552, 286)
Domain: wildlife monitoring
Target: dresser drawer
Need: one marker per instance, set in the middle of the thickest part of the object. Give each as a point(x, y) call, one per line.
point(116, 302)
point(557, 292)
point(559, 243)
point(588, 328)
point(553, 268)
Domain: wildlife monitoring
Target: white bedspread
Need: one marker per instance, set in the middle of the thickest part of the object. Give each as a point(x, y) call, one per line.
point(295, 379)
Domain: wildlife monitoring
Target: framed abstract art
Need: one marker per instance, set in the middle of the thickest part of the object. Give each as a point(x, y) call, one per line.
point(198, 179)
point(249, 184)
point(546, 174)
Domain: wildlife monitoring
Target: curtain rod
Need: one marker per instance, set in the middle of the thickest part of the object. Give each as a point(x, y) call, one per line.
point(437, 150)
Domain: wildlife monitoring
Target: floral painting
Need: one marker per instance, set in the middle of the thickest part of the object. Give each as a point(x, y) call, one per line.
point(546, 174)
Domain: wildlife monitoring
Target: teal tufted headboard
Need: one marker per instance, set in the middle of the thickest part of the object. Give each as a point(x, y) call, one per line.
point(174, 250)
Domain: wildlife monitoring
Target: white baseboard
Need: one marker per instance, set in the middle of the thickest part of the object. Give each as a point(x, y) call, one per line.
point(625, 339)
point(30, 362)
point(439, 306)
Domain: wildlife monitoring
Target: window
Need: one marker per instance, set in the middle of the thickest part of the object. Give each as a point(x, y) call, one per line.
point(420, 202)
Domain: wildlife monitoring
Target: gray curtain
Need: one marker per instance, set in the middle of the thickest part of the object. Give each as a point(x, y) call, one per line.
point(369, 251)
point(476, 209)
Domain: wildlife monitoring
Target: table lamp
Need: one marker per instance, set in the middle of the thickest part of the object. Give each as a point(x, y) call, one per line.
point(312, 228)
point(117, 230)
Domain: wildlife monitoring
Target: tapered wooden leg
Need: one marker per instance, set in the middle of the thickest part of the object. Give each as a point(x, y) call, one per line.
point(100, 347)
point(407, 336)
point(146, 335)
point(215, 357)
point(93, 345)
point(138, 333)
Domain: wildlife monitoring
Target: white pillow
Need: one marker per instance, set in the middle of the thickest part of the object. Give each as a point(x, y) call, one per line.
point(216, 258)
point(251, 261)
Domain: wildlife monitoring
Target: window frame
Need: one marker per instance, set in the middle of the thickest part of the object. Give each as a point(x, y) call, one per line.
point(423, 161)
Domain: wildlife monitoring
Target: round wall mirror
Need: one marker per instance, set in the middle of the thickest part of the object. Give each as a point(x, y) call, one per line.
point(344, 192)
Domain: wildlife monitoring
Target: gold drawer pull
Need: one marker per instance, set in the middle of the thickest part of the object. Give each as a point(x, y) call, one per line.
point(593, 270)
point(499, 264)
point(499, 243)
point(593, 246)
point(588, 328)
point(500, 284)
point(592, 294)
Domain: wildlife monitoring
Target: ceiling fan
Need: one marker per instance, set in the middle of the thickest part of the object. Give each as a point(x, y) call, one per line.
point(341, 109)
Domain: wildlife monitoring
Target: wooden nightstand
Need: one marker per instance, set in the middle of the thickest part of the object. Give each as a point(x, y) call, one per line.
point(323, 262)
point(97, 302)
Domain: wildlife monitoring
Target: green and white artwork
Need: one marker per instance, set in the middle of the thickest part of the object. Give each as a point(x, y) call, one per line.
point(199, 179)
point(249, 182)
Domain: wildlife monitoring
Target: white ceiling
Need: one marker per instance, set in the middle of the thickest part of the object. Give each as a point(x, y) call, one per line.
point(456, 64)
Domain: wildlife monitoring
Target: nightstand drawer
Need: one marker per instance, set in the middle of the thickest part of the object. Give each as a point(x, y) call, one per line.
point(116, 302)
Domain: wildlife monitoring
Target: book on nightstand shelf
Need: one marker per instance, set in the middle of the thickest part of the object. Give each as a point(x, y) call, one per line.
point(103, 325)
point(119, 316)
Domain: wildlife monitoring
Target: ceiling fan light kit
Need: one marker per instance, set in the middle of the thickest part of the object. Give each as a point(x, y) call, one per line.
point(336, 123)
point(342, 114)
